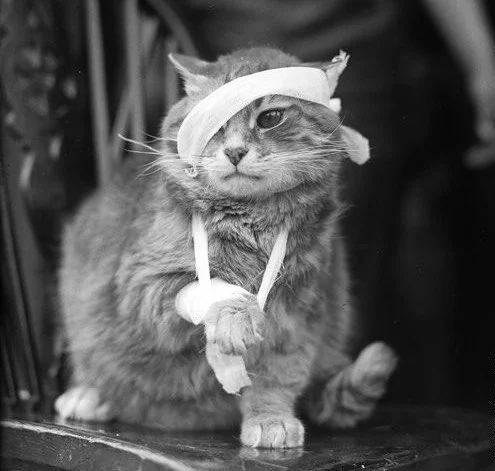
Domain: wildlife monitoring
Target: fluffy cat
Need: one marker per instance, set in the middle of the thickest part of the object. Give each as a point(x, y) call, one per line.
point(128, 252)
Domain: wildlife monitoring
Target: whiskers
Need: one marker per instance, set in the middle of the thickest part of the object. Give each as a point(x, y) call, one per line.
point(171, 162)
point(150, 150)
point(326, 151)
point(163, 160)
point(158, 138)
point(310, 151)
point(305, 159)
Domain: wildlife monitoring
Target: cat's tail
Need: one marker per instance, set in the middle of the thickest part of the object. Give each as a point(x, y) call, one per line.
point(352, 394)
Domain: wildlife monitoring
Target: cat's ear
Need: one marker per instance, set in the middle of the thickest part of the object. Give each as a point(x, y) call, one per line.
point(332, 69)
point(192, 71)
point(357, 146)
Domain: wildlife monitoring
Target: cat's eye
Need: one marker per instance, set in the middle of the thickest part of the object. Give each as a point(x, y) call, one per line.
point(269, 119)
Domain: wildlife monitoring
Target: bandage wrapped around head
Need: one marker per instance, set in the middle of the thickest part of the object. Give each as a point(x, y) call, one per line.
point(307, 83)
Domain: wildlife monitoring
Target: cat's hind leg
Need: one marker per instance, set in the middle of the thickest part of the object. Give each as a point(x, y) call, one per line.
point(351, 395)
point(84, 403)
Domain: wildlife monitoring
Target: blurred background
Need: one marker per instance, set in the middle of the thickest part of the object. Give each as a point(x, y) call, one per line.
point(421, 221)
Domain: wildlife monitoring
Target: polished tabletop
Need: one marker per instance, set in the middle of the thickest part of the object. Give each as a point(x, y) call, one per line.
point(397, 437)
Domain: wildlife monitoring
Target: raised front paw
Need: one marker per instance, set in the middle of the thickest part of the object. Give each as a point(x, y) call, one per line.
point(272, 431)
point(238, 323)
point(83, 403)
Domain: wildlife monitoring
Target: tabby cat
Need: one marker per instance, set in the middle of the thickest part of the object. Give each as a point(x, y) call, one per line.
point(128, 252)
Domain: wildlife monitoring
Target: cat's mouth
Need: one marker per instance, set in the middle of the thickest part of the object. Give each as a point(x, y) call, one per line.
point(237, 174)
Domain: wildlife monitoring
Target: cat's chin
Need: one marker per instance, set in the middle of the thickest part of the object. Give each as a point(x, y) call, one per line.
point(241, 185)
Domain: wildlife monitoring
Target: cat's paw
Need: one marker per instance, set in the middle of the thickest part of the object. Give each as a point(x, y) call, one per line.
point(372, 369)
point(82, 403)
point(352, 396)
point(238, 324)
point(272, 431)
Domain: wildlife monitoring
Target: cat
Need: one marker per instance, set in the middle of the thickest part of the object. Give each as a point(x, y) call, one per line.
point(128, 252)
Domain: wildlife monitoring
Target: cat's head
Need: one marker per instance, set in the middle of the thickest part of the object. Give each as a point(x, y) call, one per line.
point(274, 144)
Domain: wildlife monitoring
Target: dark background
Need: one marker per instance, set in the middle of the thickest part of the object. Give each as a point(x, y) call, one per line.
point(421, 225)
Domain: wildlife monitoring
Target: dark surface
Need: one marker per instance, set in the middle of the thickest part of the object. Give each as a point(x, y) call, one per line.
point(407, 438)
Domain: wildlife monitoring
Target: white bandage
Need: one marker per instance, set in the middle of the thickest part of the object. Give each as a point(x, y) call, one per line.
point(195, 299)
point(192, 302)
point(211, 113)
point(306, 83)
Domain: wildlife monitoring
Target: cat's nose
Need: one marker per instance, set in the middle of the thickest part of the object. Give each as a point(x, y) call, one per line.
point(235, 154)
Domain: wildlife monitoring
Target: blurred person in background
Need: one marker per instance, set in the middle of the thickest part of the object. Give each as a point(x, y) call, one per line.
point(425, 111)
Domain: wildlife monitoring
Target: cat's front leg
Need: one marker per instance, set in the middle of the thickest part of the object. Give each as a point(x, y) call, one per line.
point(268, 405)
point(238, 323)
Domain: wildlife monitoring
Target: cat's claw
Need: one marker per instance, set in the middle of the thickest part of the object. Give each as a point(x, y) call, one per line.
point(272, 431)
point(238, 324)
point(83, 403)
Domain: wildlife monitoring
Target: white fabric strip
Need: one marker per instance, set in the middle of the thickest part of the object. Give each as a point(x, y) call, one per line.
point(307, 83)
point(211, 113)
point(273, 267)
point(200, 238)
point(192, 304)
point(230, 370)
point(194, 300)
